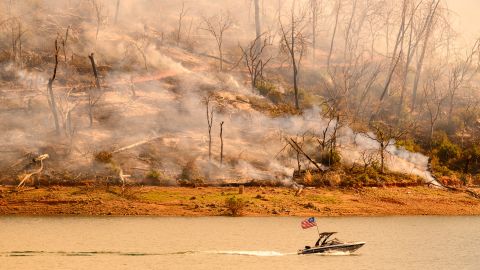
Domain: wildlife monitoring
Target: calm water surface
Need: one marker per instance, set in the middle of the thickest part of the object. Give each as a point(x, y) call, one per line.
point(235, 243)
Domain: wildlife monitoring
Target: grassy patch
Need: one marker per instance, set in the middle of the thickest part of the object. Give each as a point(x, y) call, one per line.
point(324, 199)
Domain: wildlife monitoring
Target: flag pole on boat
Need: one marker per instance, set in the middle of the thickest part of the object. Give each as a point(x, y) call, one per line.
point(317, 229)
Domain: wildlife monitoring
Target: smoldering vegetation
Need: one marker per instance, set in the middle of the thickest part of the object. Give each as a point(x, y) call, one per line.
point(326, 93)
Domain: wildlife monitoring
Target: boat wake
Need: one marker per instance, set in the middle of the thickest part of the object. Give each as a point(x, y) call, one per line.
point(336, 253)
point(251, 253)
point(30, 253)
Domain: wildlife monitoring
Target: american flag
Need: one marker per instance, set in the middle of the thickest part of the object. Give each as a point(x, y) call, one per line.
point(308, 223)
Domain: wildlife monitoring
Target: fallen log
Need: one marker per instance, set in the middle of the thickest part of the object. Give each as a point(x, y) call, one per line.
point(135, 145)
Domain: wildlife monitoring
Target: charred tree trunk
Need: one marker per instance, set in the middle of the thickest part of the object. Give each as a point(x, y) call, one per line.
point(94, 69)
point(382, 157)
point(295, 86)
point(209, 123)
point(53, 104)
point(221, 143)
point(94, 95)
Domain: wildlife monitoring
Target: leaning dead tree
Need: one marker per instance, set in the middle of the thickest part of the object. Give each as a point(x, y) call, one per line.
point(295, 146)
point(255, 58)
point(217, 26)
point(294, 43)
point(51, 96)
point(94, 93)
point(94, 69)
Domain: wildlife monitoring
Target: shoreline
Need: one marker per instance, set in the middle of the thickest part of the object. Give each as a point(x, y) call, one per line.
point(254, 202)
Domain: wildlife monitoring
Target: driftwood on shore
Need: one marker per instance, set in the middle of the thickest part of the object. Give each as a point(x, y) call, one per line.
point(27, 176)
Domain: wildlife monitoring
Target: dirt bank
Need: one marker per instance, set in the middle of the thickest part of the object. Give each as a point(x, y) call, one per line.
point(210, 201)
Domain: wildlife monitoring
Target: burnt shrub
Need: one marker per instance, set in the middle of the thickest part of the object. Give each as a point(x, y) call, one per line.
point(191, 175)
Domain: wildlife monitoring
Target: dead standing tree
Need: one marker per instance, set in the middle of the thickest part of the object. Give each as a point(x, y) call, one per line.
point(217, 26)
point(221, 142)
point(181, 15)
point(314, 9)
point(64, 44)
point(338, 7)
point(431, 20)
point(210, 112)
point(433, 100)
point(294, 43)
point(66, 105)
point(98, 8)
point(461, 74)
point(415, 34)
point(397, 52)
point(51, 96)
point(255, 58)
point(385, 135)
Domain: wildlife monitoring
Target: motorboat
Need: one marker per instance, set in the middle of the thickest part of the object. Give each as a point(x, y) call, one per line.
point(326, 245)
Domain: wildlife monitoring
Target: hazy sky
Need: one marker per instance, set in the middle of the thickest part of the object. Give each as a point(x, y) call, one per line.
point(467, 19)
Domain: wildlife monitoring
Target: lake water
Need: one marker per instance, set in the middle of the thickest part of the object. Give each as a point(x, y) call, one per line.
point(235, 243)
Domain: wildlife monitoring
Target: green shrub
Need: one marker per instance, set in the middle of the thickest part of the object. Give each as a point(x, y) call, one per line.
point(235, 206)
point(448, 151)
point(409, 145)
